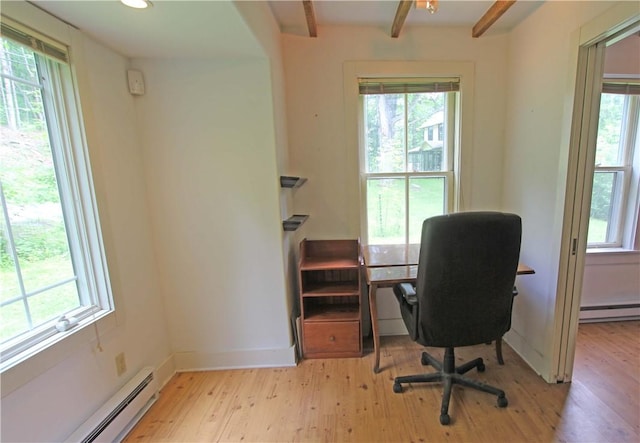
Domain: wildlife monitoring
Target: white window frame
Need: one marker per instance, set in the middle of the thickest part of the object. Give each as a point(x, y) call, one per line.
point(625, 206)
point(448, 152)
point(73, 171)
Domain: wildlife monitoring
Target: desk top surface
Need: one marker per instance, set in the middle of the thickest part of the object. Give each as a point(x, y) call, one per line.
point(392, 274)
point(381, 275)
point(390, 264)
point(391, 255)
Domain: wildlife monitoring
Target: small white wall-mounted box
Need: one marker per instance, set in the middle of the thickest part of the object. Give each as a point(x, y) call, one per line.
point(136, 82)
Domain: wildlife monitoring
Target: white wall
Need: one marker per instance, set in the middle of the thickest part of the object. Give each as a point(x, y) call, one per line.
point(319, 129)
point(541, 71)
point(623, 57)
point(207, 128)
point(266, 30)
point(610, 280)
point(215, 146)
point(48, 396)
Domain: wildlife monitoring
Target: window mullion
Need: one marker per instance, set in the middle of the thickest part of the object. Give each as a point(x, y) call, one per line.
point(406, 169)
point(51, 286)
point(20, 80)
point(450, 137)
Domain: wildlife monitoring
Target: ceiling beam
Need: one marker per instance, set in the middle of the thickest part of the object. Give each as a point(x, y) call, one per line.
point(401, 15)
point(489, 18)
point(311, 18)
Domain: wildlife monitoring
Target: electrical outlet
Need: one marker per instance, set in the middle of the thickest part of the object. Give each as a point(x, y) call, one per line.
point(121, 364)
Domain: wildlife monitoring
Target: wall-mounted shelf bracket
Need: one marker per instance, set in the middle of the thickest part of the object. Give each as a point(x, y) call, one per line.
point(291, 182)
point(294, 222)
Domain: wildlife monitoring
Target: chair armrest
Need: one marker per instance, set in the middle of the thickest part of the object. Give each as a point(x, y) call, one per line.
point(408, 293)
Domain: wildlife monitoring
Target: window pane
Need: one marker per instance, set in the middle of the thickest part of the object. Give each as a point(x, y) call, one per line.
point(604, 207)
point(425, 131)
point(14, 320)
point(50, 304)
point(386, 210)
point(609, 150)
point(426, 199)
point(385, 132)
point(36, 221)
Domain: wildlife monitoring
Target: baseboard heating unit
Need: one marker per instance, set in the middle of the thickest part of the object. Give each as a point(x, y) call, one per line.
point(120, 413)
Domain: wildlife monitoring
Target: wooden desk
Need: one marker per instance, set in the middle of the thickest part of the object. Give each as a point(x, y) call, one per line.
point(388, 265)
point(390, 255)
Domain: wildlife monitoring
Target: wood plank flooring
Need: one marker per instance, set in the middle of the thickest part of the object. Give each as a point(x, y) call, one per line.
point(342, 400)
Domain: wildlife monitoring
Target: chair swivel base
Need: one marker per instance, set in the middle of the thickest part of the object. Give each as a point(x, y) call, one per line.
point(449, 374)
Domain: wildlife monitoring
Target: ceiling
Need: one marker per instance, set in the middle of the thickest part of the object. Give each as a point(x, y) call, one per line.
point(171, 28)
point(183, 28)
point(380, 13)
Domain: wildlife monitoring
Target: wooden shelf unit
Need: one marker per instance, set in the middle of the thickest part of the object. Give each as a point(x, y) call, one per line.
point(330, 298)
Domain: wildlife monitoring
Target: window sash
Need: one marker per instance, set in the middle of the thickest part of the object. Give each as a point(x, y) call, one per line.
point(77, 197)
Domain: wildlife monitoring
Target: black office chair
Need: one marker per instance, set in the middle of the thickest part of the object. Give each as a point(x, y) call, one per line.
point(463, 295)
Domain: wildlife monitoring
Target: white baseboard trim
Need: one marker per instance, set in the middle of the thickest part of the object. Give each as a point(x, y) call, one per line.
point(254, 358)
point(165, 371)
point(609, 314)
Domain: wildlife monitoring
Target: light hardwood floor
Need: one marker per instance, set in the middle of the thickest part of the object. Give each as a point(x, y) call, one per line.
point(341, 400)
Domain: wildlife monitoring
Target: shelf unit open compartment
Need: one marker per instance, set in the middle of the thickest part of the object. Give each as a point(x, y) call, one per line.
point(330, 298)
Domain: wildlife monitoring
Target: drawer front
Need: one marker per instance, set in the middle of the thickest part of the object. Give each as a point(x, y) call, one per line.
point(327, 337)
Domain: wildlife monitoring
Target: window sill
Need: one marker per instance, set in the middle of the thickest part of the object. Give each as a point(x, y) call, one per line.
point(612, 251)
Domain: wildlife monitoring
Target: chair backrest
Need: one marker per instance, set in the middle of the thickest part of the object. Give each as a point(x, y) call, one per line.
point(466, 273)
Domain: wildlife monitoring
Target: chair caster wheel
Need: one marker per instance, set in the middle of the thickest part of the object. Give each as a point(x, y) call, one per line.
point(445, 419)
point(481, 367)
point(502, 402)
point(397, 388)
point(424, 360)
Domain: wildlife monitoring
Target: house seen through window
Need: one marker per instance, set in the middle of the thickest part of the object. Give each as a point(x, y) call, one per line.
point(50, 247)
point(407, 151)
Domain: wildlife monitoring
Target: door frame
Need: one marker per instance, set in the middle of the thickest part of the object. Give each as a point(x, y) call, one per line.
point(593, 37)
